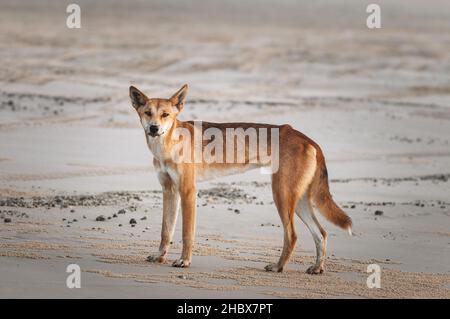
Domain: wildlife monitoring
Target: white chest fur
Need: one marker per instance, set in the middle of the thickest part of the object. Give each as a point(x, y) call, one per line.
point(156, 146)
point(162, 157)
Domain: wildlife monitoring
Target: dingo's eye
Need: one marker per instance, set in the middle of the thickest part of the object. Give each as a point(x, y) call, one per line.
point(148, 113)
point(165, 114)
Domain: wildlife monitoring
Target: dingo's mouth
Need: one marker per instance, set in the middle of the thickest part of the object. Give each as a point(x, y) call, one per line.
point(155, 134)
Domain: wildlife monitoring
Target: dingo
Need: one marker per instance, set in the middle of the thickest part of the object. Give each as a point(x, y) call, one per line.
point(299, 182)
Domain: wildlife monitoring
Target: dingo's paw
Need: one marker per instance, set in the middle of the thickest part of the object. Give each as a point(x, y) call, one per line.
point(273, 267)
point(156, 259)
point(181, 263)
point(315, 270)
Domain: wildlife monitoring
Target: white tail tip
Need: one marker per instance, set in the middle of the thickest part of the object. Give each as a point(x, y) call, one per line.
point(350, 231)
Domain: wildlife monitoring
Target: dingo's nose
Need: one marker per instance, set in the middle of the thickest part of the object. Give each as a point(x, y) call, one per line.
point(153, 129)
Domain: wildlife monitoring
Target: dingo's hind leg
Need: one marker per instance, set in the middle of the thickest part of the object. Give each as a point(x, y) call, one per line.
point(288, 186)
point(306, 213)
point(286, 212)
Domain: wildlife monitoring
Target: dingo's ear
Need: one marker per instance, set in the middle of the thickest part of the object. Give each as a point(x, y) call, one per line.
point(178, 98)
point(138, 98)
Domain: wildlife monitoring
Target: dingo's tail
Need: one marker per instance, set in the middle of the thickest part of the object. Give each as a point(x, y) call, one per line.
point(321, 197)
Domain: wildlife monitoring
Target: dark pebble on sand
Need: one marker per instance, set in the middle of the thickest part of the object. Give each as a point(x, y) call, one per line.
point(237, 211)
point(7, 220)
point(100, 218)
point(144, 218)
point(133, 221)
point(353, 206)
point(115, 216)
point(122, 211)
point(120, 225)
point(378, 212)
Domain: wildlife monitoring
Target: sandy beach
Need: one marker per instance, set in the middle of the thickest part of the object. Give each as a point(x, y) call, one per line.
point(75, 168)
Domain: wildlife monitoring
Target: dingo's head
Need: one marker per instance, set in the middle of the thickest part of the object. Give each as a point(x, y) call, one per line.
point(157, 115)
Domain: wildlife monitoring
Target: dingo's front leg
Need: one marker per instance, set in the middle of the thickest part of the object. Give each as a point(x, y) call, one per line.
point(171, 201)
point(188, 195)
